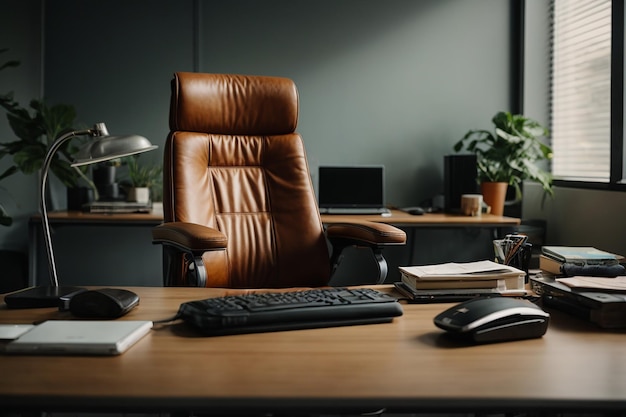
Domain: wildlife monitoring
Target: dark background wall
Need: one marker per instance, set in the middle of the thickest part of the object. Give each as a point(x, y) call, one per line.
point(380, 82)
point(394, 83)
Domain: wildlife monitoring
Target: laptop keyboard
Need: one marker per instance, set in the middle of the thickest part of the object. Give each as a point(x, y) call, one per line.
point(274, 311)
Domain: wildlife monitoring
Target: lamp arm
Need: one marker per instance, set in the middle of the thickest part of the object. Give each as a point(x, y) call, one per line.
point(54, 280)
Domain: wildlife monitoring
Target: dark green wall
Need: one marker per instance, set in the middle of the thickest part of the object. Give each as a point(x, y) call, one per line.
point(394, 82)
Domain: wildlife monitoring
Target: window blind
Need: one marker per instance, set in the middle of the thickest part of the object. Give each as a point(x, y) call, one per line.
point(581, 90)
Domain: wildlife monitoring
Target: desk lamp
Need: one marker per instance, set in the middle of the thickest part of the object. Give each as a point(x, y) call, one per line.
point(102, 148)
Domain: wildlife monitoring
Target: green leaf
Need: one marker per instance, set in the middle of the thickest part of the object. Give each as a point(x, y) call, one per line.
point(64, 171)
point(9, 64)
point(510, 152)
point(30, 158)
point(8, 172)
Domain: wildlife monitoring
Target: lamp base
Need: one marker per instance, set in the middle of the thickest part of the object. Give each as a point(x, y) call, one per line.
point(38, 297)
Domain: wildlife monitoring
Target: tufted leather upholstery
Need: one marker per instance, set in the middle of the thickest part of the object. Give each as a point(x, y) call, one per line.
point(238, 197)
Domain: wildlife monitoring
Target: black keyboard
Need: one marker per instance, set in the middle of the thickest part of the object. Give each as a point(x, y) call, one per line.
point(273, 311)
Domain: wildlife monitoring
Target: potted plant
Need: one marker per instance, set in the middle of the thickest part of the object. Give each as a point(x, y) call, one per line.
point(36, 129)
point(144, 181)
point(508, 156)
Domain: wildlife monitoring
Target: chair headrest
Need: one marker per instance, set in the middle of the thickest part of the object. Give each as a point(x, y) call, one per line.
point(233, 104)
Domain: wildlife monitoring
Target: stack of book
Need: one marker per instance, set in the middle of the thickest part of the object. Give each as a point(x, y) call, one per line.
point(601, 302)
point(584, 281)
point(458, 281)
point(579, 260)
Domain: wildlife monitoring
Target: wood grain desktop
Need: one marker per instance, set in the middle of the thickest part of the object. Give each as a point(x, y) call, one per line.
point(408, 365)
point(400, 218)
point(397, 218)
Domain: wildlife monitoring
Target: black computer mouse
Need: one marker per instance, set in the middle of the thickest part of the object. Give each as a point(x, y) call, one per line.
point(416, 211)
point(497, 319)
point(104, 303)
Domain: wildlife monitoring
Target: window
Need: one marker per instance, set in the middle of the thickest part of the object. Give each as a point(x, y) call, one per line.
point(586, 91)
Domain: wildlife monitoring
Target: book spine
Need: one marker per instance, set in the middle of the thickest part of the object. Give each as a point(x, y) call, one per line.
point(500, 284)
point(550, 265)
point(418, 284)
point(612, 316)
point(581, 260)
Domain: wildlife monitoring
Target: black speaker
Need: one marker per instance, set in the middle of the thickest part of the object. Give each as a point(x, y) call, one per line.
point(459, 177)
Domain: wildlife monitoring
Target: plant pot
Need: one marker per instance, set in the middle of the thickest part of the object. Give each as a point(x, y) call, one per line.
point(77, 196)
point(104, 179)
point(104, 175)
point(494, 195)
point(139, 194)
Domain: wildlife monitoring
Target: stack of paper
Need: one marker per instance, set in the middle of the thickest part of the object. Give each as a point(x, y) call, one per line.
point(486, 275)
point(595, 283)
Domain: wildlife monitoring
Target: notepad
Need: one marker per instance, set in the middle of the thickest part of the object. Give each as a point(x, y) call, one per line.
point(74, 337)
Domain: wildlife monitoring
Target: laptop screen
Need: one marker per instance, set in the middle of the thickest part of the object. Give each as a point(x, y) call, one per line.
point(351, 186)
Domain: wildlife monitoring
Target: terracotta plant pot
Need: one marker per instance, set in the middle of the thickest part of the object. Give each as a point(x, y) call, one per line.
point(494, 195)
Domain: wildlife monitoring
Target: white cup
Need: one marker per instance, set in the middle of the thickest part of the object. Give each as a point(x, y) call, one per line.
point(471, 204)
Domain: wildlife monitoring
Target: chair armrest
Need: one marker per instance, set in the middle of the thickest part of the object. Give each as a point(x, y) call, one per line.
point(366, 233)
point(372, 235)
point(189, 236)
point(189, 239)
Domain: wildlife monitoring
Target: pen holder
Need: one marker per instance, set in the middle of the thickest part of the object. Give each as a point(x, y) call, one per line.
point(520, 259)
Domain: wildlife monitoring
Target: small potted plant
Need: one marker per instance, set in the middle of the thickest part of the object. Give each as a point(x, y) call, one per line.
point(144, 181)
point(508, 156)
point(36, 127)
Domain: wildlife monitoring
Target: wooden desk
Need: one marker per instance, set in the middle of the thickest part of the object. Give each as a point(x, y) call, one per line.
point(78, 217)
point(397, 218)
point(431, 238)
point(37, 263)
point(421, 230)
point(400, 218)
point(404, 366)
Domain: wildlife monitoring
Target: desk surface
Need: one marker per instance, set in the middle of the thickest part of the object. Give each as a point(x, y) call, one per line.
point(78, 217)
point(397, 218)
point(400, 218)
point(405, 366)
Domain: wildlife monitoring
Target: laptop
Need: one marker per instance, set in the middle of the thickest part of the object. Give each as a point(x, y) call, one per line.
point(75, 337)
point(352, 190)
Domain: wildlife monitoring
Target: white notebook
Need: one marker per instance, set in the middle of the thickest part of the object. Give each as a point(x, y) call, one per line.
point(75, 337)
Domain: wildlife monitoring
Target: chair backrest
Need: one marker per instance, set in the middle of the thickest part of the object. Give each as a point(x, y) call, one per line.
point(234, 162)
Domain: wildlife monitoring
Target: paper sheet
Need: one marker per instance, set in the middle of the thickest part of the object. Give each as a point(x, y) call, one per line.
point(612, 284)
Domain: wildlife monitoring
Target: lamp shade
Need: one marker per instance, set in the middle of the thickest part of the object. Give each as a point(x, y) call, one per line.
point(105, 148)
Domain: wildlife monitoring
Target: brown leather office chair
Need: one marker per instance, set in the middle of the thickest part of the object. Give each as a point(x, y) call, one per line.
point(239, 205)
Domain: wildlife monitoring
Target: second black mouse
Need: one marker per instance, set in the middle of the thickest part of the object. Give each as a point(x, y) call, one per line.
point(416, 211)
point(496, 319)
point(105, 303)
